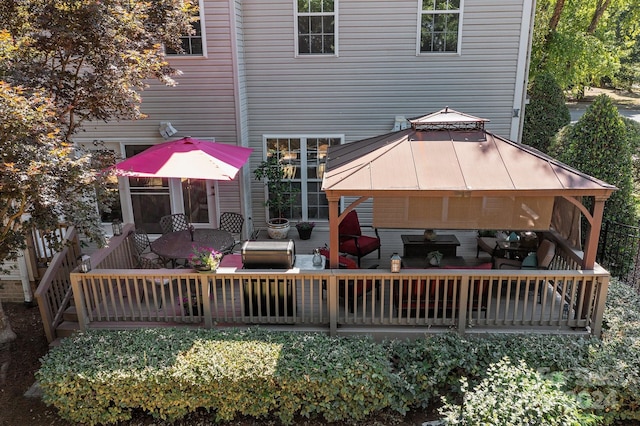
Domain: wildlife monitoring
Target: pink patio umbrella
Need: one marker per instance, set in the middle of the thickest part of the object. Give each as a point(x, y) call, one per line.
point(186, 158)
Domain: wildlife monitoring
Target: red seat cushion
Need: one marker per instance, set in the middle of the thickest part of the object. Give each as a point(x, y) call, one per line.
point(488, 265)
point(343, 262)
point(350, 225)
point(367, 245)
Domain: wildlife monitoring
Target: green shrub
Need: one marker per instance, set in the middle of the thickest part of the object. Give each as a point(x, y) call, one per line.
point(101, 376)
point(516, 395)
point(546, 113)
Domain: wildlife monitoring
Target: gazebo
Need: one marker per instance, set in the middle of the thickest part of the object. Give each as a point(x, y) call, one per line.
point(446, 171)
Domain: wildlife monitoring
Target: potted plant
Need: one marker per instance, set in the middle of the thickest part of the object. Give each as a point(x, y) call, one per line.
point(205, 259)
point(304, 229)
point(281, 195)
point(434, 258)
point(191, 306)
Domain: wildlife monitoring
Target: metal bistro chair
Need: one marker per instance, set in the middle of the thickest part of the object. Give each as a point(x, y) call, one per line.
point(232, 222)
point(146, 259)
point(174, 223)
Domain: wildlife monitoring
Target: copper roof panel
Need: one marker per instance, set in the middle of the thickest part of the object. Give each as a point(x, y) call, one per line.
point(448, 160)
point(436, 165)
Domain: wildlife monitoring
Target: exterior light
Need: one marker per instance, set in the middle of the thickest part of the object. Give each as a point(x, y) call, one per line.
point(117, 227)
point(85, 263)
point(395, 262)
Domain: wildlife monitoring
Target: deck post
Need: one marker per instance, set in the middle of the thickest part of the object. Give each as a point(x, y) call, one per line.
point(206, 284)
point(599, 304)
point(78, 298)
point(463, 301)
point(332, 304)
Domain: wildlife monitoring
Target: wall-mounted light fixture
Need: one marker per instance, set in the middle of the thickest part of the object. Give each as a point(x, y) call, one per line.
point(166, 129)
point(85, 263)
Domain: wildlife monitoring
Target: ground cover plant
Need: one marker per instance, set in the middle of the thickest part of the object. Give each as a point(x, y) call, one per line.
point(284, 376)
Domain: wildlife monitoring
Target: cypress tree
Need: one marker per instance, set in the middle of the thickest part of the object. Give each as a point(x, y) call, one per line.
point(546, 113)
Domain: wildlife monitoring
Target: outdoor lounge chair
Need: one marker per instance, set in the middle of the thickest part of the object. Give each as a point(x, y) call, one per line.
point(351, 239)
point(541, 259)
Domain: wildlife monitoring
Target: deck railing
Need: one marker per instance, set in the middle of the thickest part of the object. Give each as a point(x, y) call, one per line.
point(346, 301)
point(372, 301)
point(54, 291)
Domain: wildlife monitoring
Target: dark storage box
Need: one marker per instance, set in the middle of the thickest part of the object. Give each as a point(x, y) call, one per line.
point(268, 254)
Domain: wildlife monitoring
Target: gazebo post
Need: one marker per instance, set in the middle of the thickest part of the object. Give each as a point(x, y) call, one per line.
point(591, 243)
point(333, 231)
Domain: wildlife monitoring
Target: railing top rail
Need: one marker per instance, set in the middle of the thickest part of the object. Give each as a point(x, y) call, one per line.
point(599, 271)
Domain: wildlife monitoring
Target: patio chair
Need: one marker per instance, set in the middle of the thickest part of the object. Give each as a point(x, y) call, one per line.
point(351, 239)
point(146, 259)
point(232, 222)
point(541, 259)
point(174, 223)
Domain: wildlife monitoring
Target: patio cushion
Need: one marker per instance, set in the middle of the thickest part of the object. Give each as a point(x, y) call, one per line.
point(343, 261)
point(487, 265)
point(367, 244)
point(350, 225)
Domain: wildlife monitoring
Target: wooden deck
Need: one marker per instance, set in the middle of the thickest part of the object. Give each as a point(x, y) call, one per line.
point(343, 302)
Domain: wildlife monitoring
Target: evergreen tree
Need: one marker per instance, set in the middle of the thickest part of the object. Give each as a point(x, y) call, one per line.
point(598, 145)
point(546, 113)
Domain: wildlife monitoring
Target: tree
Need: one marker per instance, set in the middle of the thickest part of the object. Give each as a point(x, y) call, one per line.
point(546, 113)
point(582, 43)
point(63, 63)
point(598, 145)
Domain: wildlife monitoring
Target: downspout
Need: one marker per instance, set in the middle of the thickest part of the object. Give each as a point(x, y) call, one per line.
point(522, 69)
point(244, 177)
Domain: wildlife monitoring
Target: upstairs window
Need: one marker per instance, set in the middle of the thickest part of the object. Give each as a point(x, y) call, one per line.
point(192, 44)
point(316, 27)
point(440, 26)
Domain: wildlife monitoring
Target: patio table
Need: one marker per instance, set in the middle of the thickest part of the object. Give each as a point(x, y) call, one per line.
point(178, 245)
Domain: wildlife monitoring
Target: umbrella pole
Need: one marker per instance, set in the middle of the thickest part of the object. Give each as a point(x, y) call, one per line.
point(189, 199)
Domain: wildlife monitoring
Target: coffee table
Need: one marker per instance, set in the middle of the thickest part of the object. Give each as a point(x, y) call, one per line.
point(417, 246)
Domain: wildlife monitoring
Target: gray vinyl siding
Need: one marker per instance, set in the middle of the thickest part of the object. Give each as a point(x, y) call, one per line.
point(377, 74)
point(201, 105)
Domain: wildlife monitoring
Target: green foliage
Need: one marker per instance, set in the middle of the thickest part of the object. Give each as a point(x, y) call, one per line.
point(585, 47)
point(516, 395)
point(281, 194)
point(170, 373)
point(63, 63)
point(546, 113)
point(598, 146)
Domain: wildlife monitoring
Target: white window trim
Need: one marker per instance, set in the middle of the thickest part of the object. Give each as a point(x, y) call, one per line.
point(202, 35)
point(303, 171)
point(336, 25)
point(458, 51)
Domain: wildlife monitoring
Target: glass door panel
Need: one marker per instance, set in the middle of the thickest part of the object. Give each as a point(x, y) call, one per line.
point(195, 200)
point(149, 197)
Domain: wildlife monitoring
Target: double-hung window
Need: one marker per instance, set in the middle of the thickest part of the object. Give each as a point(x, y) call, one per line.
point(440, 23)
point(316, 27)
point(303, 160)
point(192, 44)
